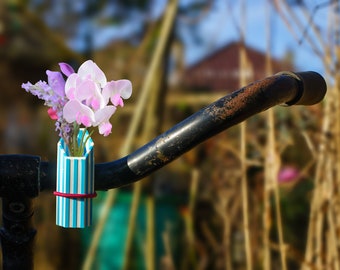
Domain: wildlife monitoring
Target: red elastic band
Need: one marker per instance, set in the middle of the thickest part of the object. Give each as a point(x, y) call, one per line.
point(75, 196)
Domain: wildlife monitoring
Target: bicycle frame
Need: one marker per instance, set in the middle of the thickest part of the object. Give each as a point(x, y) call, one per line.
point(22, 177)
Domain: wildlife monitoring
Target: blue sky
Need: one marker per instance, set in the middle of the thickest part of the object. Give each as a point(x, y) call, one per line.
point(220, 26)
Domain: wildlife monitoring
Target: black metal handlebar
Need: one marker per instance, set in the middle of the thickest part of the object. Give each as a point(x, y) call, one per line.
point(305, 88)
point(22, 177)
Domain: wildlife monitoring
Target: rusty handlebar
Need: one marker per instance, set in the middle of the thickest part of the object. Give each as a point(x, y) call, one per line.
point(22, 177)
point(305, 88)
point(29, 175)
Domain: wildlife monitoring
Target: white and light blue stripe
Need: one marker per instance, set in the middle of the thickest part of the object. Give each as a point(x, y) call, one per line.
point(75, 175)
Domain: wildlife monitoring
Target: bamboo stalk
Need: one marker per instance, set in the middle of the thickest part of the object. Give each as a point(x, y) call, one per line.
point(272, 165)
point(272, 168)
point(319, 240)
point(334, 179)
point(153, 83)
point(333, 252)
point(91, 253)
point(193, 189)
point(166, 27)
point(315, 217)
point(244, 182)
point(266, 215)
point(169, 263)
point(244, 190)
point(190, 233)
point(334, 226)
point(227, 214)
point(226, 241)
point(137, 190)
point(335, 217)
point(266, 219)
point(279, 226)
point(150, 234)
point(149, 128)
point(165, 30)
point(243, 65)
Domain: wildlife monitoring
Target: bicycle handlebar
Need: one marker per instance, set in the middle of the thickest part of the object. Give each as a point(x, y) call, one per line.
point(305, 88)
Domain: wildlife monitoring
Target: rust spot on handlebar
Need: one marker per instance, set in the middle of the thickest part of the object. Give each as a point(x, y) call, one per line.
point(256, 97)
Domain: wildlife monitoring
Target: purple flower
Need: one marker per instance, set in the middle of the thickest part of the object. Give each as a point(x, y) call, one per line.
point(53, 93)
point(83, 99)
point(66, 69)
point(41, 89)
point(56, 82)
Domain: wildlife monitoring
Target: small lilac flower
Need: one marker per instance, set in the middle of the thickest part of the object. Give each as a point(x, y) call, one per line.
point(66, 69)
point(41, 89)
point(56, 82)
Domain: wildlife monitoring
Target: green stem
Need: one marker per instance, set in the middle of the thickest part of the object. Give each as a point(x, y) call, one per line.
point(79, 148)
point(74, 144)
point(81, 145)
point(88, 137)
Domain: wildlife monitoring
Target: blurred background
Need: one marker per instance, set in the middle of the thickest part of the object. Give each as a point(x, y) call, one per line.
point(261, 195)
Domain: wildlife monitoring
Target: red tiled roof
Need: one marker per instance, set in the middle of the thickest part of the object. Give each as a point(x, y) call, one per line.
point(220, 70)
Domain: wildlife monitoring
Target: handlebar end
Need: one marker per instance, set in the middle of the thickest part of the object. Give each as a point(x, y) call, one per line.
point(312, 87)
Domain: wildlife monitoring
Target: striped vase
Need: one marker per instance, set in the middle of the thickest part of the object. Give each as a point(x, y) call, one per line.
point(75, 186)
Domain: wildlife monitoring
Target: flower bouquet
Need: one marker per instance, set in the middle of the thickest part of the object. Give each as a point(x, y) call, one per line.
point(78, 101)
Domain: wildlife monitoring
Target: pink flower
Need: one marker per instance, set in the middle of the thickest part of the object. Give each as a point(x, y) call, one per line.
point(89, 94)
point(288, 174)
point(75, 111)
point(83, 99)
point(90, 70)
point(52, 114)
point(105, 128)
point(84, 90)
point(116, 90)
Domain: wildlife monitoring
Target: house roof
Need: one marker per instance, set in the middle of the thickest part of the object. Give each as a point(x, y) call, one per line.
point(221, 69)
